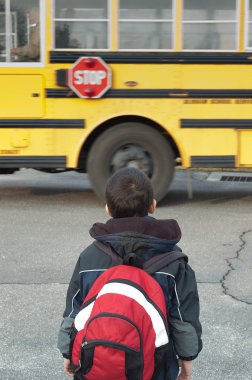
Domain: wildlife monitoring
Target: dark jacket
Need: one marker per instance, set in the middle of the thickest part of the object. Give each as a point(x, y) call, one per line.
point(146, 237)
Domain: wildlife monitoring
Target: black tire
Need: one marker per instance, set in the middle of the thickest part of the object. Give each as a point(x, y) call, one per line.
point(131, 144)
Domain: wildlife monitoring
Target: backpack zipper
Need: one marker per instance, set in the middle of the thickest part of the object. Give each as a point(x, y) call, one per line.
point(114, 315)
point(107, 343)
point(119, 346)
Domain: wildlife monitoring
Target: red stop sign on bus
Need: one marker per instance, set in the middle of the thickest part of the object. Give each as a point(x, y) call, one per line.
point(89, 77)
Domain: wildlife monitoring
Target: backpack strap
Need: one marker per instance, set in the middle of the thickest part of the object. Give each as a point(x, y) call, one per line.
point(162, 260)
point(115, 258)
point(150, 266)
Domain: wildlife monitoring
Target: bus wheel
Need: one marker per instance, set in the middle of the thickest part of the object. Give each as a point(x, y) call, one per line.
point(131, 145)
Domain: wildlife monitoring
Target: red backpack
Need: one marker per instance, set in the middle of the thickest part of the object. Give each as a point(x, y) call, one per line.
point(121, 331)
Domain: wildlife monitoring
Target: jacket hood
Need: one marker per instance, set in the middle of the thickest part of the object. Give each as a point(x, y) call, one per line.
point(142, 235)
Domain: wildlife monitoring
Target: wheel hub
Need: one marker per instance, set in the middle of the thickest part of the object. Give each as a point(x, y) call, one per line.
point(132, 156)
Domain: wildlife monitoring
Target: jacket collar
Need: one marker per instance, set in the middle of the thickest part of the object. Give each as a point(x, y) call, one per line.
point(138, 234)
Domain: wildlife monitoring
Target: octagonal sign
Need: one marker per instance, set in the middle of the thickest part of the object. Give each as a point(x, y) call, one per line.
point(89, 77)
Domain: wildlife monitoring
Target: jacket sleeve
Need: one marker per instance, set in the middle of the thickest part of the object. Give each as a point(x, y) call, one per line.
point(92, 260)
point(73, 304)
point(185, 325)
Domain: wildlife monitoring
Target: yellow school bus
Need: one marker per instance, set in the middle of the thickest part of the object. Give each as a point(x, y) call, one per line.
point(178, 88)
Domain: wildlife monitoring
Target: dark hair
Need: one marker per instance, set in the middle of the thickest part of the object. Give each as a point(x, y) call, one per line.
point(129, 193)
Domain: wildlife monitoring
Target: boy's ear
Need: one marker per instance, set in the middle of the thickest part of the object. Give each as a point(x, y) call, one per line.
point(107, 210)
point(152, 207)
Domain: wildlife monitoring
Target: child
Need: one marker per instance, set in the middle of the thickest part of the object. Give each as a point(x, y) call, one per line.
point(129, 197)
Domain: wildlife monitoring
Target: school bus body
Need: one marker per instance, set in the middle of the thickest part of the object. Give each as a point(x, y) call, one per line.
point(200, 104)
point(170, 106)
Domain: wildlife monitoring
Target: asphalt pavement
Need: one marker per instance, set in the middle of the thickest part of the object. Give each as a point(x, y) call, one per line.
point(44, 223)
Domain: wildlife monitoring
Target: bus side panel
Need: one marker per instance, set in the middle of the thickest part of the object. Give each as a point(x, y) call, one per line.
point(245, 151)
point(22, 96)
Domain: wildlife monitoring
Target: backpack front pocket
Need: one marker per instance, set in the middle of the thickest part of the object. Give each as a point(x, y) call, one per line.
point(114, 352)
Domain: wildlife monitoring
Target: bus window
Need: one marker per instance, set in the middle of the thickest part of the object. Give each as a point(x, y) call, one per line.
point(84, 25)
point(19, 31)
point(249, 25)
point(2, 31)
point(146, 24)
point(210, 25)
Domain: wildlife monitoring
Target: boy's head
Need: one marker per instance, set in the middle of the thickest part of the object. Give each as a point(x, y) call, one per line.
point(129, 193)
